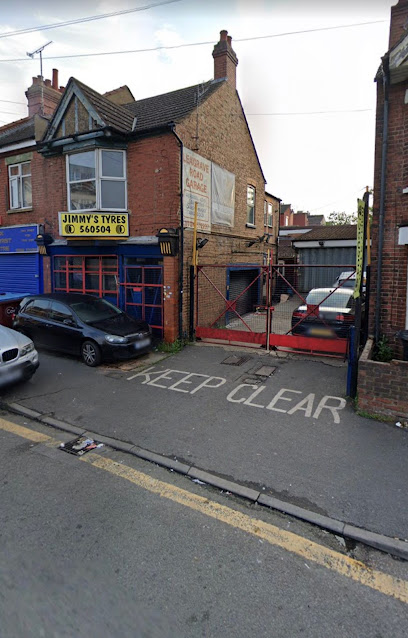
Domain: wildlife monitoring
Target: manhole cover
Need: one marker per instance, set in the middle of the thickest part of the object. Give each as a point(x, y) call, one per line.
point(265, 371)
point(235, 360)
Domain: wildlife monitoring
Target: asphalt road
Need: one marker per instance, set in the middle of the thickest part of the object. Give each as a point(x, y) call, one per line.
point(291, 433)
point(85, 552)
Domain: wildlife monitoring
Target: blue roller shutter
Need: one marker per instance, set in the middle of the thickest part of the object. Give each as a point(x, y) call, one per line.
point(20, 273)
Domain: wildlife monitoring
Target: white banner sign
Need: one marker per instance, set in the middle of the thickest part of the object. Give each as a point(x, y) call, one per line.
point(196, 188)
point(223, 196)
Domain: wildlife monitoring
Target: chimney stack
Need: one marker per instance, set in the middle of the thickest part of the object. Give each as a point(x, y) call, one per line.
point(43, 96)
point(225, 59)
point(399, 19)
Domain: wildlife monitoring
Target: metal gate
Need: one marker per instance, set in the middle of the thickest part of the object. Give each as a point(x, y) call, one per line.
point(276, 306)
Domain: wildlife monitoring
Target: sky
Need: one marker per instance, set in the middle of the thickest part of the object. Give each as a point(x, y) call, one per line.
point(309, 97)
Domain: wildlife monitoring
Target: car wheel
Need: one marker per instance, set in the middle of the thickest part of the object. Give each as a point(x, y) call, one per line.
point(91, 353)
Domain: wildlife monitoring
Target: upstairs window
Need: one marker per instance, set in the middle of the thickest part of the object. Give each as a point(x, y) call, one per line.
point(97, 180)
point(250, 205)
point(265, 213)
point(270, 215)
point(20, 185)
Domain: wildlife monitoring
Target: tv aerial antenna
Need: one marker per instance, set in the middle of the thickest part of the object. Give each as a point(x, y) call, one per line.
point(40, 50)
point(31, 55)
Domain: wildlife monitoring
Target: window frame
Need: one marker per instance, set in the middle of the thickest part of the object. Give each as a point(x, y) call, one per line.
point(251, 217)
point(19, 179)
point(270, 215)
point(98, 179)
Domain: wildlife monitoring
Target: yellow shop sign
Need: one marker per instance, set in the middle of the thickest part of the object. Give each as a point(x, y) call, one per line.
point(94, 224)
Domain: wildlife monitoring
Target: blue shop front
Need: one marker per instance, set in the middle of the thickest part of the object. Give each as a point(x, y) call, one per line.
point(127, 273)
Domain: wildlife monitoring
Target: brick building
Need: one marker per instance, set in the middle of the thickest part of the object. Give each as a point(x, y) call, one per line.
point(389, 311)
point(382, 386)
point(109, 172)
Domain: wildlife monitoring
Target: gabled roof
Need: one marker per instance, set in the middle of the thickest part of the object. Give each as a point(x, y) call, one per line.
point(163, 109)
point(316, 220)
point(346, 231)
point(17, 131)
point(112, 114)
point(102, 110)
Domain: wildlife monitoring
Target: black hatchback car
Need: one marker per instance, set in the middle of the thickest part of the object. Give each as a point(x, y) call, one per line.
point(82, 325)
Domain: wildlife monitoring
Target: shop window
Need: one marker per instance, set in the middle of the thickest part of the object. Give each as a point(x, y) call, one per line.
point(94, 275)
point(97, 180)
point(20, 185)
point(250, 205)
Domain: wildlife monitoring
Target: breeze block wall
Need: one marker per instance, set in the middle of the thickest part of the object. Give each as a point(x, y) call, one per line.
point(382, 387)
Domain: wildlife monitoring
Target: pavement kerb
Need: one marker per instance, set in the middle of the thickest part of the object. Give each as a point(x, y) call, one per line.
point(393, 546)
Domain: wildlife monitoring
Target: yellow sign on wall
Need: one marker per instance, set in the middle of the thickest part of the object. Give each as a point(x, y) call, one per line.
point(94, 225)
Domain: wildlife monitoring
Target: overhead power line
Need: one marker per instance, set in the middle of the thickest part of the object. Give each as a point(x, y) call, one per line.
point(67, 23)
point(195, 44)
point(313, 112)
point(11, 102)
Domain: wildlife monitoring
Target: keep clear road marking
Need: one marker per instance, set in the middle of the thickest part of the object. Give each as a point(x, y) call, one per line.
point(308, 550)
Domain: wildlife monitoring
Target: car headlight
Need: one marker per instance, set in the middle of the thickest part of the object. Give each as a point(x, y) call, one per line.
point(115, 339)
point(26, 349)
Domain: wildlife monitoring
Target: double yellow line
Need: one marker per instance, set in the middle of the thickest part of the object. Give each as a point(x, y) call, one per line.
point(306, 549)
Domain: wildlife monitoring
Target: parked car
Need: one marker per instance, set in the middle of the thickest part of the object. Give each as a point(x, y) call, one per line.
point(82, 325)
point(327, 313)
point(347, 279)
point(18, 357)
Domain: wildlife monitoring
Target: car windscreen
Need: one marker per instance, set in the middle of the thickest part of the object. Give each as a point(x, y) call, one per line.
point(335, 300)
point(95, 310)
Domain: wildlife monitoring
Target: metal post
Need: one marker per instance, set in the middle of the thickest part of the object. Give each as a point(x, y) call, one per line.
point(192, 283)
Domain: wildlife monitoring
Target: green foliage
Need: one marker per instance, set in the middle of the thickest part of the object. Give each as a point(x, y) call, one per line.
point(171, 348)
point(383, 352)
point(339, 219)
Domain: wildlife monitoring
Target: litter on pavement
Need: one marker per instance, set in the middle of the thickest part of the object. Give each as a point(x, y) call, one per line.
point(80, 445)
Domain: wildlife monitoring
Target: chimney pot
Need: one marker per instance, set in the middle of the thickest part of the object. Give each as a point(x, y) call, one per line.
point(223, 35)
point(55, 79)
point(47, 82)
point(229, 40)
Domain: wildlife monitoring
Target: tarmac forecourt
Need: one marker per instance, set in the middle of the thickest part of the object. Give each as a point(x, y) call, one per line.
point(245, 393)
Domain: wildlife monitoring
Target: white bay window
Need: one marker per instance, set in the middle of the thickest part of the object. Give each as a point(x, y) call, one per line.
point(97, 180)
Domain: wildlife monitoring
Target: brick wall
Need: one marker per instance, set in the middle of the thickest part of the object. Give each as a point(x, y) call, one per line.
point(382, 387)
point(223, 138)
point(398, 22)
point(395, 257)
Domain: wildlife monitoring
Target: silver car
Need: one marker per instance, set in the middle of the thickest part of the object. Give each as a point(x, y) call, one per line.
point(18, 357)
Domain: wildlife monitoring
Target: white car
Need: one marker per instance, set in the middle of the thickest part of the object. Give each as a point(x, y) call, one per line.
point(18, 357)
point(347, 279)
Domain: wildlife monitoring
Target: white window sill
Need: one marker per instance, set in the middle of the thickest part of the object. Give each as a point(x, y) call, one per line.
point(250, 225)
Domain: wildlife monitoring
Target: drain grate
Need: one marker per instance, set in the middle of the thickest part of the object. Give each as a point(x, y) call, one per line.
point(235, 360)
